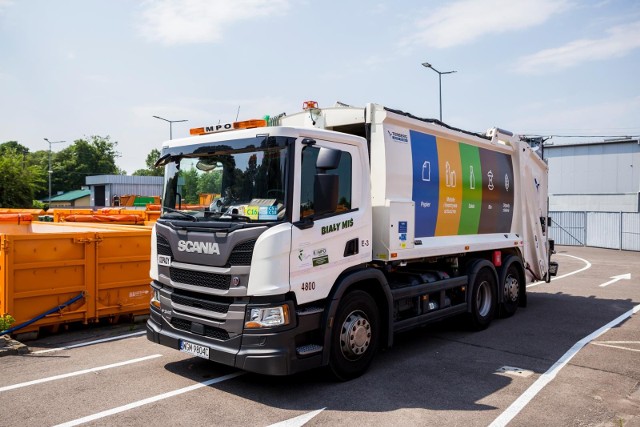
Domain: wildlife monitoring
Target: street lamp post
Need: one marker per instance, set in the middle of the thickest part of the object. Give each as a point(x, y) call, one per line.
point(50, 170)
point(440, 73)
point(171, 122)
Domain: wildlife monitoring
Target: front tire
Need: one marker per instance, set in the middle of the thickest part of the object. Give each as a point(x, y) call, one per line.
point(354, 336)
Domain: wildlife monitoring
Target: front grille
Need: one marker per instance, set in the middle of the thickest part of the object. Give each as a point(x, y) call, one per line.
point(204, 304)
point(209, 331)
point(242, 253)
point(200, 278)
point(163, 246)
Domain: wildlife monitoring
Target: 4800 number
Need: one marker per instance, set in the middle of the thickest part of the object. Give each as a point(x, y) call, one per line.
point(308, 286)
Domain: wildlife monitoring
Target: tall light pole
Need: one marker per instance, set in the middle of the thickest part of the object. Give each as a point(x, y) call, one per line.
point(171, 122)
point(50, 170)
point(440, 73)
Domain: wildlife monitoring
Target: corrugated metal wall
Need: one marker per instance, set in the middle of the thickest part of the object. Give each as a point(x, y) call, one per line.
point(121, 185)
point(631, 231)
point(568, 228)
point(611, 230)
point(603, 230)
point(137, 189)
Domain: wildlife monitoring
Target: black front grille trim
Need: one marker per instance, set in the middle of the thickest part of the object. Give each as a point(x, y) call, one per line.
point(200, 278)
point(200, 303)
point(209, 331)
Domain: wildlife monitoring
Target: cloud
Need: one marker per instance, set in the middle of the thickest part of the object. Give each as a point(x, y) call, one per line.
point(620, 40)
point(174, 22)
point(464, 21)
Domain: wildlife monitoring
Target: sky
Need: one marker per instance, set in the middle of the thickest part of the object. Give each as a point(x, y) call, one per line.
point(70, 69)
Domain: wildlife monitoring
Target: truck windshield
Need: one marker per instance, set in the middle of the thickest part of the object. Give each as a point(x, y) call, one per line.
point(237, 180)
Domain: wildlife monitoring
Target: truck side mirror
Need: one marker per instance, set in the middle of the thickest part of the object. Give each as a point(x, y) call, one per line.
point(325, 194)
point(328, 159)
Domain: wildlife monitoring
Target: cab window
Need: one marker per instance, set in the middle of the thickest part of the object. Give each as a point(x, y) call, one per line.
point(309, 170)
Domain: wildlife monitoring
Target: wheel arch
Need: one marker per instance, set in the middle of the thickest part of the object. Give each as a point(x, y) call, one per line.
point(374, 283)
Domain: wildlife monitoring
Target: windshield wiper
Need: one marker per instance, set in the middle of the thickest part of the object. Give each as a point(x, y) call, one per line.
point(184, 214)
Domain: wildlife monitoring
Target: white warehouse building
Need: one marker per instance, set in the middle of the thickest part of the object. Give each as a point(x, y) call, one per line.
point(105, 187)
point(596, 176)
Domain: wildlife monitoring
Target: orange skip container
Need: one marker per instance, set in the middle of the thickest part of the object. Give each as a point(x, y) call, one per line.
point(43, 265)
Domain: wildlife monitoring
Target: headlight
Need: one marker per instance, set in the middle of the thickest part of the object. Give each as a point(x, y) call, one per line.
point(268, 317)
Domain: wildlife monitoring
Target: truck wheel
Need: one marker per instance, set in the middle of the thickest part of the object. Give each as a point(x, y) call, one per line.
point(510, 283)
point(483, 299)
point(355, 333)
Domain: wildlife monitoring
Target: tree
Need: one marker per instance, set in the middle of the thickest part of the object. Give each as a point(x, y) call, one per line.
point(15, 146)
point(38, 161)
point(209, 183)
point(190, 187)
point(16, 181)
point(151, 170)
point(95, 155)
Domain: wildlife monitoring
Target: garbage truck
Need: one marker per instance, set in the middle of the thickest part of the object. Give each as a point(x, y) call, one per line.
point(336, 228)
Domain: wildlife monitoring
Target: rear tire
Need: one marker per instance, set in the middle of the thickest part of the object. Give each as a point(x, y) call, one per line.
point(483, 299)
point(354, 336)
point(511, 286)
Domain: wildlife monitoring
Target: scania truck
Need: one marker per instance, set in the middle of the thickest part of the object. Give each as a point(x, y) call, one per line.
point(335, 228)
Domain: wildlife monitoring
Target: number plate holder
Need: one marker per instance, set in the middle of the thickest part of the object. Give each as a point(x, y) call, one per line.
point(194, 349)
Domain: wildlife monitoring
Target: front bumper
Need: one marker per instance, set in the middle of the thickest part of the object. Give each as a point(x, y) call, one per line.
point(271, 353)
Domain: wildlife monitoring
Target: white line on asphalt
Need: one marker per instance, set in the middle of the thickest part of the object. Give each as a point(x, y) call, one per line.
point(587, 266)
point(73, 374)
point(84, 344)
point(148, 400)
point(614, 279)
point(298, 421)
point(551, 373)
point(612, 344)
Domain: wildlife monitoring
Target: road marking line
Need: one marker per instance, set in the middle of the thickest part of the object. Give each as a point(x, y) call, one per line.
point(148, 400)
point(586, 267)
point(614, 279)
point(551, 373)
point(298, 421)
point(611, 344)
point(84, 344)
point(73, 374)
point(616, 342)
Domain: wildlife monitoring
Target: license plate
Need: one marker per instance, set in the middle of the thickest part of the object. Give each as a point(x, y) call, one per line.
point(194, 349)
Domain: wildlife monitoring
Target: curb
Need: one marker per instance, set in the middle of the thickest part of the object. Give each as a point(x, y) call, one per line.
point(11, 347)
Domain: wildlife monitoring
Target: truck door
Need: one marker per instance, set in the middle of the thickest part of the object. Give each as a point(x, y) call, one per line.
point(328, 236)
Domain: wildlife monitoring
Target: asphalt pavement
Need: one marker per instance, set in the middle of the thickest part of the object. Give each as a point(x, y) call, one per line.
point(572, 357)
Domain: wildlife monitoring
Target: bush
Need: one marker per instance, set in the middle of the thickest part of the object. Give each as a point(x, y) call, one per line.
point(6, 321)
